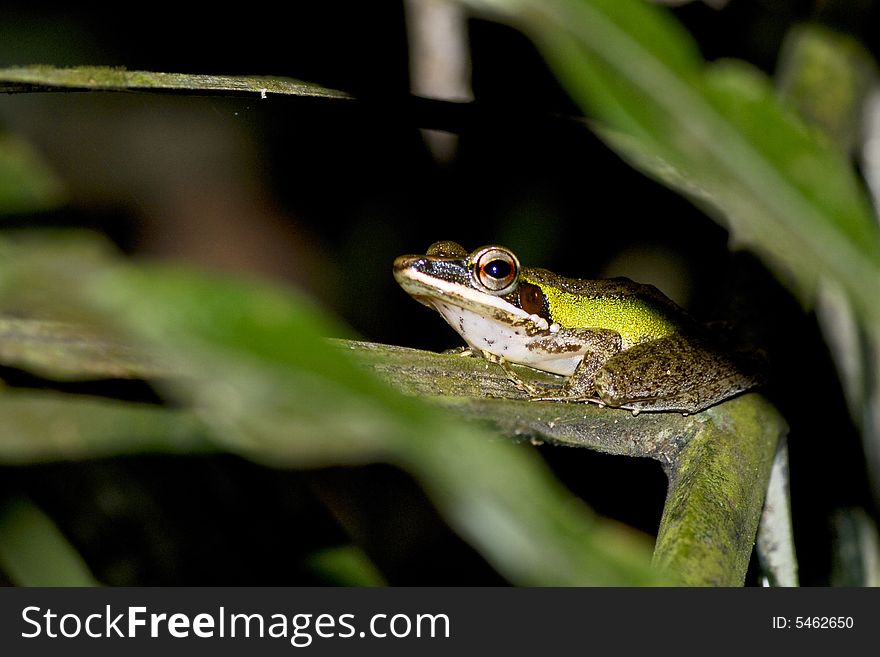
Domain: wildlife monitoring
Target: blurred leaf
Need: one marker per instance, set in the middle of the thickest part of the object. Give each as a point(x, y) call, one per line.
point(64, 351)
point(714, 132)
point(255, 368)
point(41, 426)
point(856, 549)
point(26, 182)
point(34, 552)
point(347, 566)
point(826, 76)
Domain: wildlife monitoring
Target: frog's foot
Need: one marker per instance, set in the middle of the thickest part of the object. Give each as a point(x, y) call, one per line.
point(512, 376)
point(578, 388)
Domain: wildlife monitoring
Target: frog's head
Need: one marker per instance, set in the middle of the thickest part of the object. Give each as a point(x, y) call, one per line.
point(481, 294)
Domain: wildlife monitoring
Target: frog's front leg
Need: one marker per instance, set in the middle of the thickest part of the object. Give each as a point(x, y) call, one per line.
point(593, 348)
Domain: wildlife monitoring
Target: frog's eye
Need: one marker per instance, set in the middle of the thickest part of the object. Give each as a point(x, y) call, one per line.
point(495, 270)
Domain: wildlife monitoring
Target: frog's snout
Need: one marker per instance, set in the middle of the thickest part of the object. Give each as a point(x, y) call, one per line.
point(404, 262)
point(405, 266)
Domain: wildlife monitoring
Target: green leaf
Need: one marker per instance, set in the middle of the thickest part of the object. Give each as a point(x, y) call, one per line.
point(48, 426)
point(346, 565)
point(26, 182)
point(827, 76)
point(61, 351)
point(34, 552)
point(715, 132)
point(106, 78)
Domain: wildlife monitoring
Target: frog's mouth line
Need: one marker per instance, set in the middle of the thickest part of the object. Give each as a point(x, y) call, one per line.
point(490, 323)
point(428, 289)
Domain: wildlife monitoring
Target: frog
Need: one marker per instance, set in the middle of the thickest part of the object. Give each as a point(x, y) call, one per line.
point(615, 342)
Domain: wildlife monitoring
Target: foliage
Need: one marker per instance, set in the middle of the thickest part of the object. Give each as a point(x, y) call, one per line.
point(242, 366)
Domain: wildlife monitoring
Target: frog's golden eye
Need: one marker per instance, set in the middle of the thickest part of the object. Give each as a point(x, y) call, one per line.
point(495, 270)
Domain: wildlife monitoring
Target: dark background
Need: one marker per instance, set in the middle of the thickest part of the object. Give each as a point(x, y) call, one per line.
point(323, 196)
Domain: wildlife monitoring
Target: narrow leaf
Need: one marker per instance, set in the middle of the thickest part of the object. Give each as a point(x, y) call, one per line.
point(104, 78)
point(34, 552)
